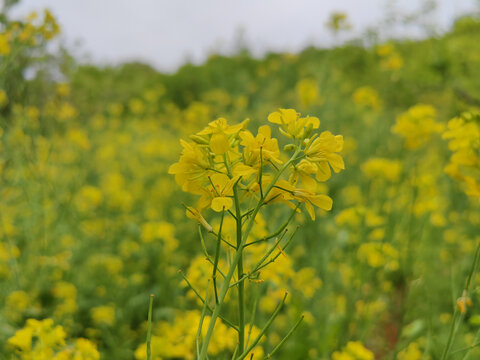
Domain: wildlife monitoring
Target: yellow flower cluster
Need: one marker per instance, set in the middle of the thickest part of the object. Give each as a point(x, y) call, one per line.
point(41, 339)
point(28, 33)
point(379, 255)
point(463, 133)
point(176, 339)
point(411, 352)
point(417, 125)
point(223, 156)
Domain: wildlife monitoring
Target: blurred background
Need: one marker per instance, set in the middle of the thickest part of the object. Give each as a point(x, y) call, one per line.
point(94, 99)
point(168, 34)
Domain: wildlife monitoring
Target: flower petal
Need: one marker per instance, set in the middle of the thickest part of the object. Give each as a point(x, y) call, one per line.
point(220, 203)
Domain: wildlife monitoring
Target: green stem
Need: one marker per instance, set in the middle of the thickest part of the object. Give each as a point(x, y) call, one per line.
point(149, 328)
point(200, 325)
point(276, 233)
point(241, 286)
point(225, 320)
point(217, 255)
point(264, 330)
point(236, 259)
point(292, 330)
point(454, 327)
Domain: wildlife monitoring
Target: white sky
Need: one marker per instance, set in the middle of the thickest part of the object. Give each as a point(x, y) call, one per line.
point(165, 32)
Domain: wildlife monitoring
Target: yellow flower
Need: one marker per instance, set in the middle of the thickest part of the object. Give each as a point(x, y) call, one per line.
point(219, 143)
point(367, 97)
point(323, 151)
point(103, 315)
point(412, 352)
point(220, 126)
point(22, 339)
point(262, 143)
point(354, 350)
point(292, 125)
point(382, 168)
point(417, 125)
point(191, 170)
point(304, 170)
point(307, 91)
point(289, 192)
point(222, 192)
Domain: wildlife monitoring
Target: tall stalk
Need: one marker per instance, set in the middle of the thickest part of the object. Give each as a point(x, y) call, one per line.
point(243, 236)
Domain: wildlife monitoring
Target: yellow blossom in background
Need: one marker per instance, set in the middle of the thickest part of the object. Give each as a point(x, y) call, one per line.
point(307, 92)
point(390, 59)
point(41, 339)
point(50, 27)
point(177, 339)
point(379, 255)
point(5, 47)
point(417, 125)
point(3, 98)
point(367, 97)
point(375, 168)
point(338, 21)
point(385, 49)
point(306, 281)
point(463, 133)
point(412, 352)
point(88, 198)
point(354, 350)
point(63, 89)
point(103, 315)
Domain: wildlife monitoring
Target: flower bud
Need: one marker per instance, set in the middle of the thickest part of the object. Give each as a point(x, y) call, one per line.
point(199, 139)
point(289, 147)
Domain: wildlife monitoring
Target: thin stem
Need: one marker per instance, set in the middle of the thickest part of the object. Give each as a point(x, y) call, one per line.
point(236, 259)
point(292, 330)
point(217, 255)
point(149, 328)
point(470, 348)
point(260, 173)
point(252, 318)
point(200, 324)
point(466, 348)
point(241, 287)
point(207, 255)
point(265, 328)
point(279, 230)
point(202, 242)
point(454, 326)
point(226, 321)
point(261, 264)
point(235, 352)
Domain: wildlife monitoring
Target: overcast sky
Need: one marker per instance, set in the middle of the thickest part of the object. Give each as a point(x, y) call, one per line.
point(165, 33)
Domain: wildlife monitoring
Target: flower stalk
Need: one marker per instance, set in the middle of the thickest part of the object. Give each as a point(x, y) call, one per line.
point(236, 175)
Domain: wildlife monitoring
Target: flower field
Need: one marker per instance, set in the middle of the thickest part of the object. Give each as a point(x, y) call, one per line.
point(319, 205)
